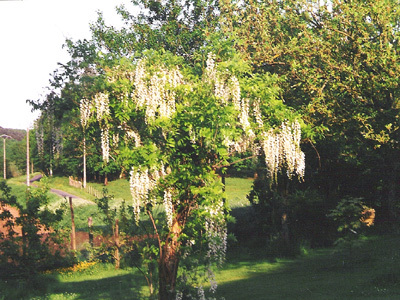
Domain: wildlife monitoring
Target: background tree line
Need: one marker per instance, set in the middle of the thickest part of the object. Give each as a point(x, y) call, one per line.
point(15, 152)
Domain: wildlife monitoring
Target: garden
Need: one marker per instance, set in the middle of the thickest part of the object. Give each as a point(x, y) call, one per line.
point(218, 150)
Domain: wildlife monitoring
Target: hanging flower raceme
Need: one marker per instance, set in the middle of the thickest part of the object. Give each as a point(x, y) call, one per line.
point(282, 150)
point(156, 95)
point(142, 181)
point(168, 206)
point(85, 110)
point(216, 234)
point(133, 134)
point(102, 105)
point(105, 144)
point(210, 73)
point(228, 91)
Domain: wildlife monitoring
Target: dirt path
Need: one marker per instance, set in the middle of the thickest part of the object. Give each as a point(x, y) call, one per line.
point(61, 193)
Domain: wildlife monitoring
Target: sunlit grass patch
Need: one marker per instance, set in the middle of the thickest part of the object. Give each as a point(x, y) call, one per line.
point(79, 267)
point(237, 190)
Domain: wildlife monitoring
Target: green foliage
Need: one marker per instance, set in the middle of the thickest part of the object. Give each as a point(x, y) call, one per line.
point(134, 244)
point(15, 153)
point(349, 216)
point(336, 62)
point(31, 242)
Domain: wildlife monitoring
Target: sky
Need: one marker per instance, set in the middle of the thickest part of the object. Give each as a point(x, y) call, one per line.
point(32, 34)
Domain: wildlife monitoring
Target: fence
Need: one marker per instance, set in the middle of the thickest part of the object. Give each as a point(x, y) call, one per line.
point(88, 189)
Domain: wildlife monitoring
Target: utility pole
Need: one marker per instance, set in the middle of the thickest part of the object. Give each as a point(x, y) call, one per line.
point(4, 137)
point(27, 157)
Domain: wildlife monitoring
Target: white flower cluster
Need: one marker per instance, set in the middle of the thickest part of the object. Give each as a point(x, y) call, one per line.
point(102, 105)
point(200, 293)
point(241, 145)
point(142, 181)
point(282, 150)
point(213, 281)
point(105, 144)
point(257, 113)
point(216, 233)
point(85, 110)
point(156, 95)
point(115, 140)
point(217, 240)
point(133, 134)
point(140, 84)
point(226, 90)
point(168, 206)
point(211, 71)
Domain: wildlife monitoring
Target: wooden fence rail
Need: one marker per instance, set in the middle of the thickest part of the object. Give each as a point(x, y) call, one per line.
point(88, 189)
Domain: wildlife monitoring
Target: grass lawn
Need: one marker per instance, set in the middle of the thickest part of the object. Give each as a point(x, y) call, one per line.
point(237, 190)
point(371, 272)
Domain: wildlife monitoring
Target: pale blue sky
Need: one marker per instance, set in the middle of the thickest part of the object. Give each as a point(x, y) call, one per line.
point(32, 33)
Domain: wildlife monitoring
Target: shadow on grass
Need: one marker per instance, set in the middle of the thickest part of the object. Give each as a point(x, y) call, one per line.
point(372, 273)
point(126, 286)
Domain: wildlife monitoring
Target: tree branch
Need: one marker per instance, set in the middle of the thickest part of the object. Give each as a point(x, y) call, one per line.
point(316, 151)
point(215, 167)
point(155, 229)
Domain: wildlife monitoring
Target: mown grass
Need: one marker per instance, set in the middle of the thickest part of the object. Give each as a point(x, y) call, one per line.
point(373, 272)
point(237, 190)
point(101, 281)
point(370, 271)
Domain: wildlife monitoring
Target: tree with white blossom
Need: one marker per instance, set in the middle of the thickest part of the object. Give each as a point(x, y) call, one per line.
point(180, 131)
point(85, 113)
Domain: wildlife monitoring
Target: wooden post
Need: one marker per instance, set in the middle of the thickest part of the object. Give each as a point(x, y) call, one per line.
point(117, 244)
point(73, 236)
point(90, 223)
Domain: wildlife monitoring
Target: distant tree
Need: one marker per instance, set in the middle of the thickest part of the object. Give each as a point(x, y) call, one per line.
point(339, 60)
point(179, 27)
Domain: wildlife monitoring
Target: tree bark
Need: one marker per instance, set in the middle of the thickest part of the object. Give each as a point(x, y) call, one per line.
point(168, 263)
point(84, 160)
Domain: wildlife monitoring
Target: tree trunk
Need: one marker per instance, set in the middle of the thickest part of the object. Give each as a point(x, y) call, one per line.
point(168, 264)
point(284, 218)
point(84, 160)
point(168, 270)
point(285, 229)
